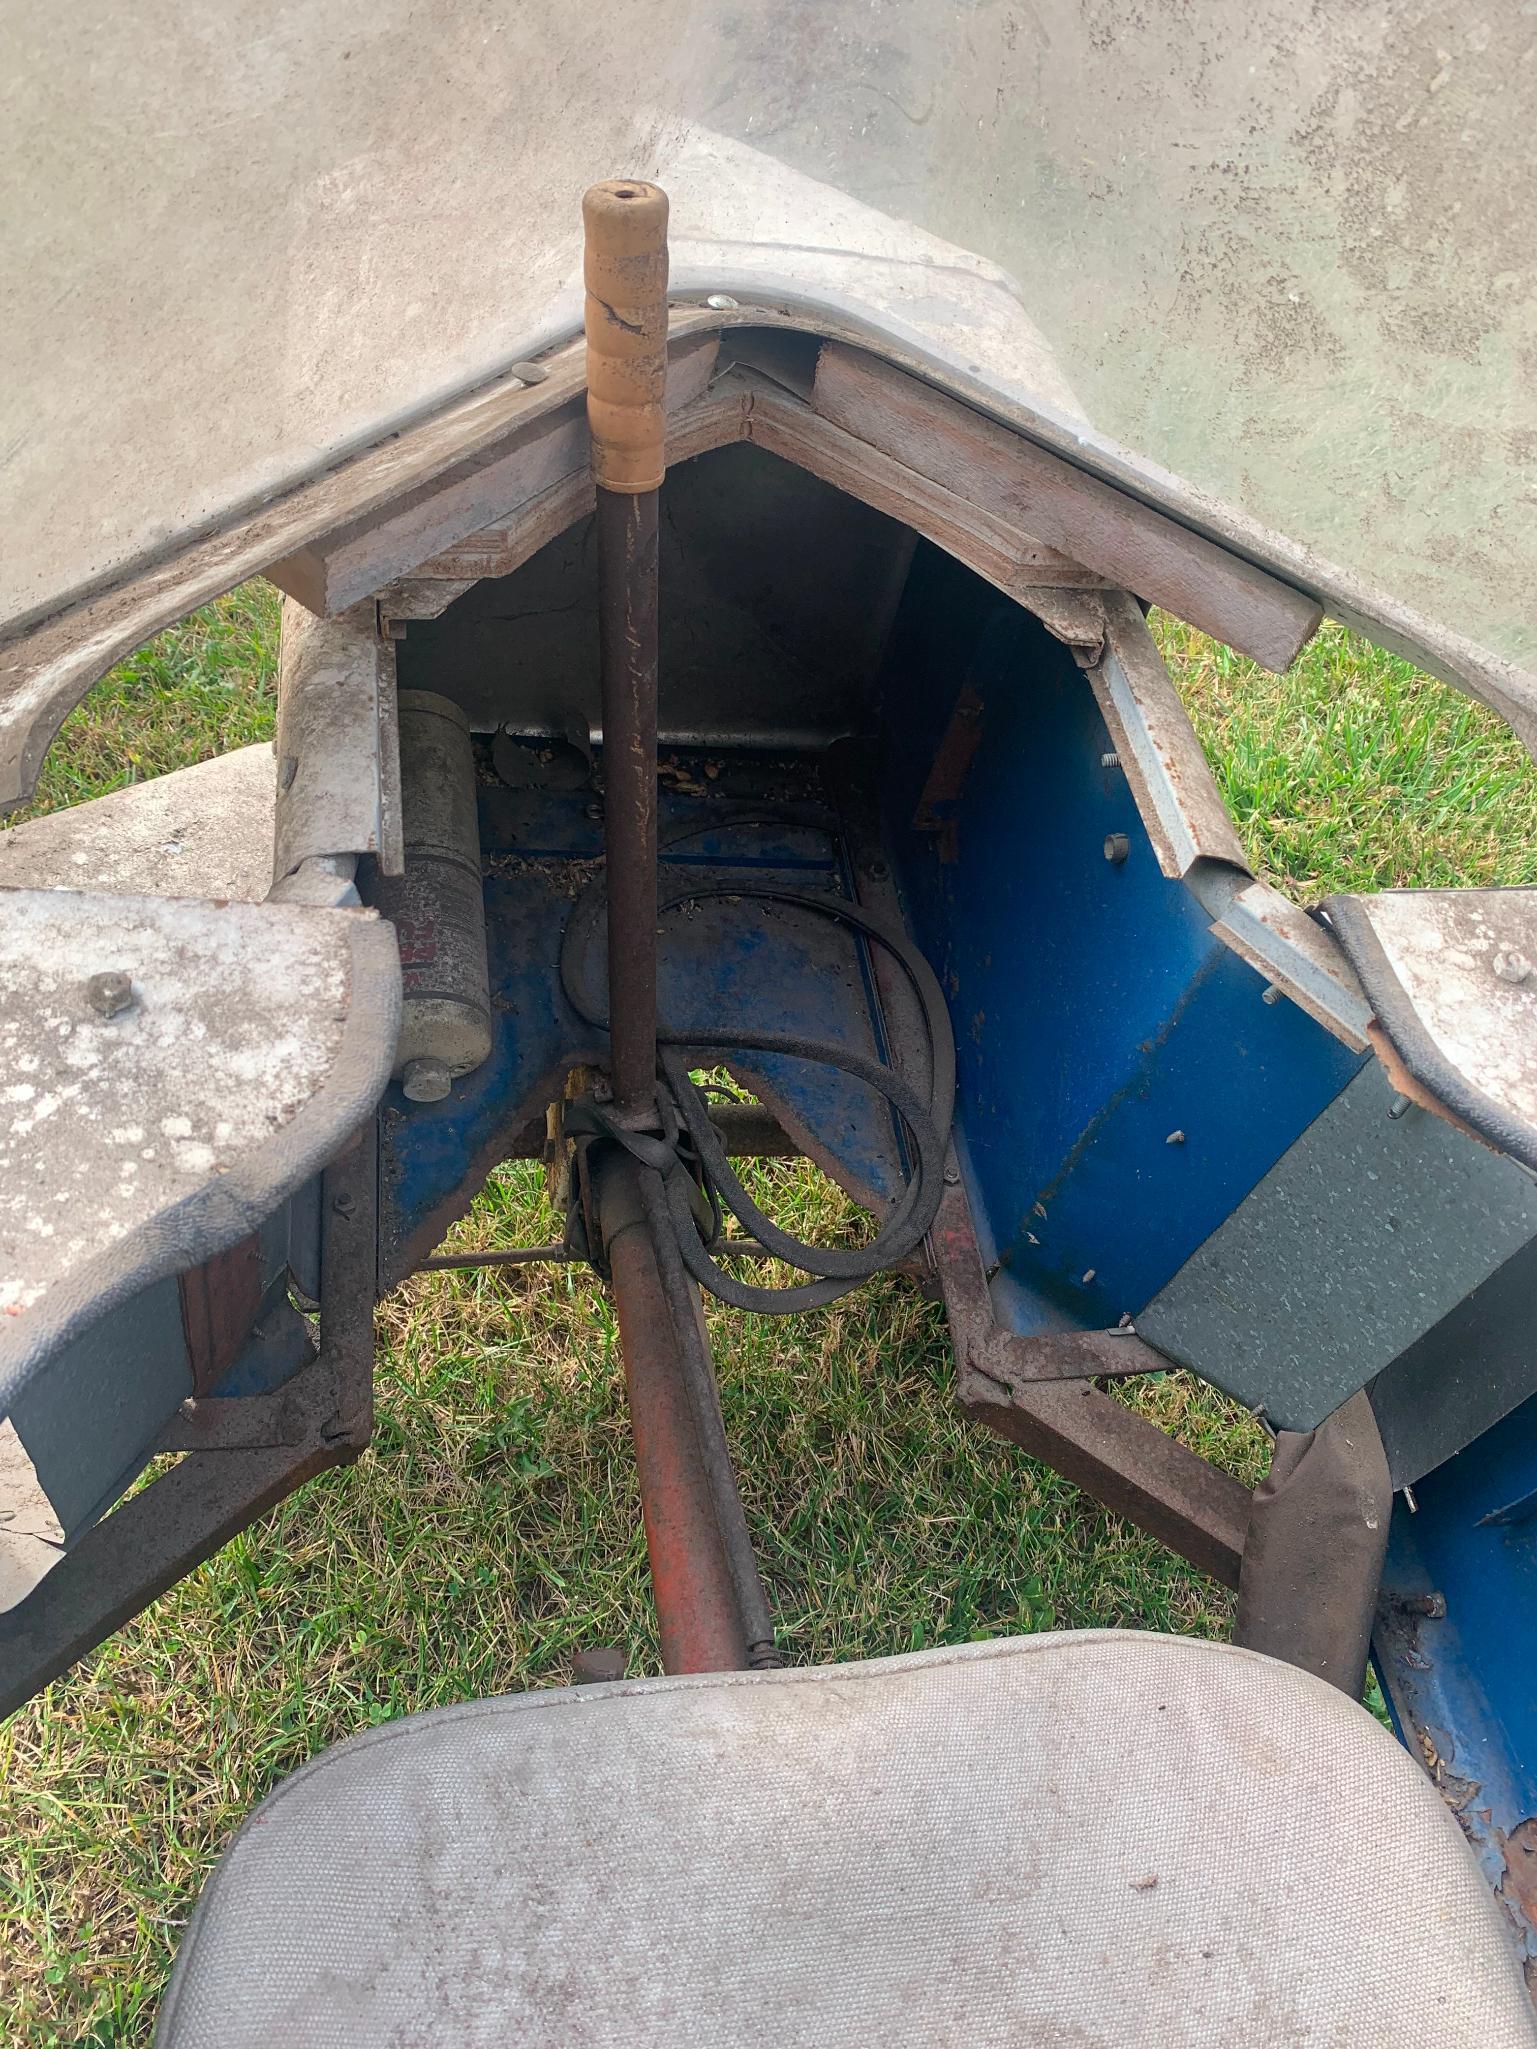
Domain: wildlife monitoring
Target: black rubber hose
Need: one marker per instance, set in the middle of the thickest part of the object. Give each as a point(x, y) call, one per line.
point(926, 1121)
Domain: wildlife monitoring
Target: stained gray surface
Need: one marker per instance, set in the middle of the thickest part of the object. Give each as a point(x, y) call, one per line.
point(138, 1140)
point(1466, 960)
point(1284, 253)
point(1361, 1238)
point(1109, 1838)
point(236, 1020)
point(201, 831)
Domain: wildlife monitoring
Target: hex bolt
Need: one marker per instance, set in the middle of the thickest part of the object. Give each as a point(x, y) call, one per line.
point(1512, 966)
point(109, 992)
point(344, 1205)
point(952, 1177)
point(426, 1080)
point(1117, 847)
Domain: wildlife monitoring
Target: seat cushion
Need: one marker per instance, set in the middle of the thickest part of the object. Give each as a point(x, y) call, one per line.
point(1105, 1838)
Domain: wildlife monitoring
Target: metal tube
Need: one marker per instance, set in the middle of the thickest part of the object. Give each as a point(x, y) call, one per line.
point(627, 635)
point(698, 1616)
point(625, 269)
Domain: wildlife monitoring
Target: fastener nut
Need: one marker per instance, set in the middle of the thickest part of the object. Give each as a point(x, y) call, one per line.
point(1117, 846)
point(1512, 966)
point(109, 992)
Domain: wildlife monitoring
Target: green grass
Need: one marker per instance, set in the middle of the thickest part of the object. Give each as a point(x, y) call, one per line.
point(494, 1527)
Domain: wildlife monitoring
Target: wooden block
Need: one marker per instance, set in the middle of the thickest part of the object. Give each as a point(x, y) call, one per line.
point(710, 421)
point(1105, 529)
point(1006, 555)
point(354, 561)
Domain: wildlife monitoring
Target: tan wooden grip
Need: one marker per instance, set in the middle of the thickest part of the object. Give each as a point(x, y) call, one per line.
point(625, 267)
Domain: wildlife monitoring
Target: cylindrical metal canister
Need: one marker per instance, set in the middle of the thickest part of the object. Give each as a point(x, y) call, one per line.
point(437, 907)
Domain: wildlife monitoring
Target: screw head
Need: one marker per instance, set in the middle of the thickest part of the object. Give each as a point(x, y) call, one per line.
point(1117, 847)
point(1512, 966)
point(109, 992)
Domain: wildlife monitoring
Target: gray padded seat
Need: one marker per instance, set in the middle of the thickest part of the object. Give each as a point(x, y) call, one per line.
point(1097, 1839)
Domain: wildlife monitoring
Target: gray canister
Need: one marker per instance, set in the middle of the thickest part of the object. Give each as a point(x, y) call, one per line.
point(437, 907)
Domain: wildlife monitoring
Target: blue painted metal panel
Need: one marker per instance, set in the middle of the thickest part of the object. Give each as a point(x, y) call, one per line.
point(1096, 1017)
point(1463, 1683)
point(772, 967)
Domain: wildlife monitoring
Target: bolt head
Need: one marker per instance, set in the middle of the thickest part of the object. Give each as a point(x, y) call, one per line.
point(1512, 966)
point(109, 992)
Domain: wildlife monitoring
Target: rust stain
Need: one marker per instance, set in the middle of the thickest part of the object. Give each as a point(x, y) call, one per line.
point(1518, 1888)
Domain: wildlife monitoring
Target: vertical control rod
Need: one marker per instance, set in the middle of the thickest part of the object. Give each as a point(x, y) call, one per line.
point(625, 224)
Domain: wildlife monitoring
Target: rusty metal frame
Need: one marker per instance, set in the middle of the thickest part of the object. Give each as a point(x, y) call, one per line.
point(1038, 1392)
point(244, 1456)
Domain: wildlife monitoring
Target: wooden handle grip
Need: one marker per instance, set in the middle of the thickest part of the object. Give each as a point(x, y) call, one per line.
point(625, 267)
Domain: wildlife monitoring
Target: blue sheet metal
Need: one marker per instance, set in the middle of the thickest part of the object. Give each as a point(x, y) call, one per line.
point(768, 965)
point(1453, 1648)
point(1122, 1082)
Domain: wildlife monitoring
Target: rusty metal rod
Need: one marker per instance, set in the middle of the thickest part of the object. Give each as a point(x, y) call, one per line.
point(698, 1615)
point(535, 1255)
point(625, 268)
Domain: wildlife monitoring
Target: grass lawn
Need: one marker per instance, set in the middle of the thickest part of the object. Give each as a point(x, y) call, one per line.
point(495, 1527)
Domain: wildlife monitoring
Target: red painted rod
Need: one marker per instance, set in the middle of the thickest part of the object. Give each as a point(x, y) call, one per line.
point(696, 1602)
